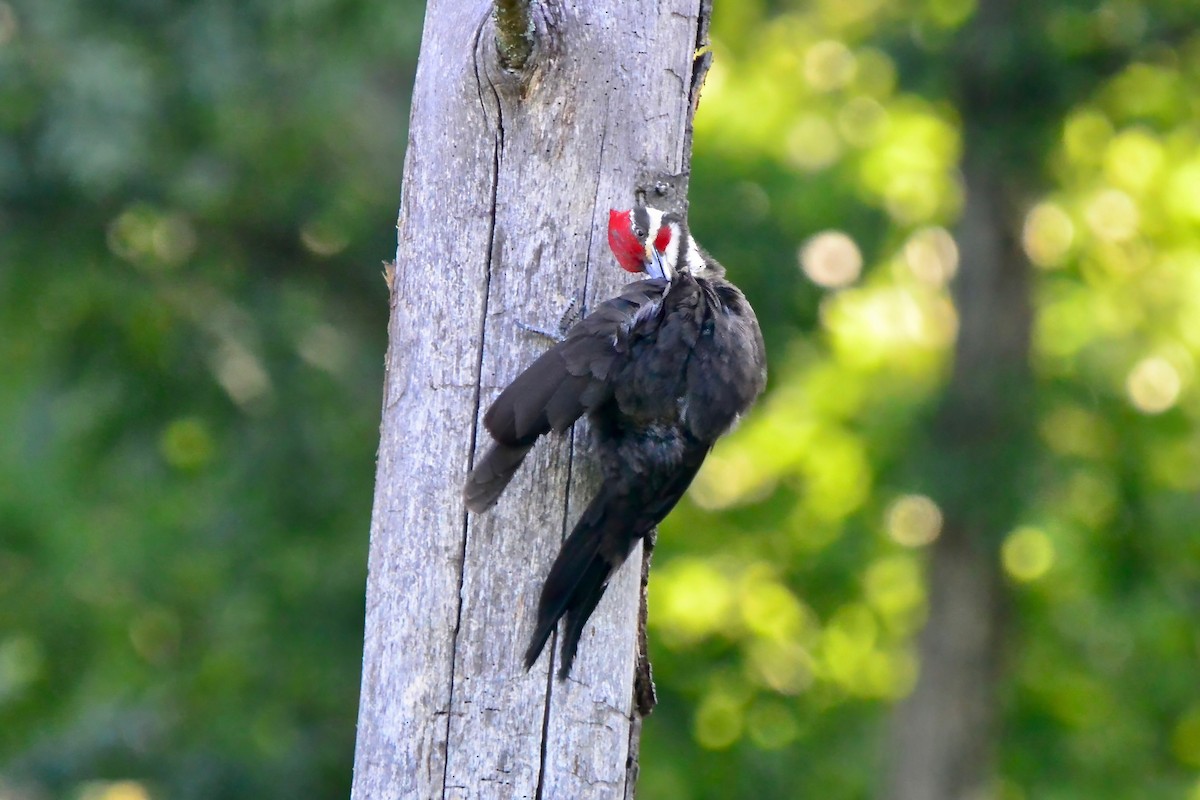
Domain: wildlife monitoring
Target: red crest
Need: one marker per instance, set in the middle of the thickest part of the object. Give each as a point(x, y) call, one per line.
point(630, 252)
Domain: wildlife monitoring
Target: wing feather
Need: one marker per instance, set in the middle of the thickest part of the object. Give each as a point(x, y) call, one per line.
point(574, 376)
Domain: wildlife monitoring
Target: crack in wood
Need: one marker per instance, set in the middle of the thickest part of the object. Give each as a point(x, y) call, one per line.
point(497, 152)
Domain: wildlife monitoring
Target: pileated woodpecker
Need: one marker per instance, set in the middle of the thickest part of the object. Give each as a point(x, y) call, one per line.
point(662, 371)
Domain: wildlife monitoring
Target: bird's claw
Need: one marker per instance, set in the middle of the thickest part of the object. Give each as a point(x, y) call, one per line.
point(567, 321)
point(553, 336)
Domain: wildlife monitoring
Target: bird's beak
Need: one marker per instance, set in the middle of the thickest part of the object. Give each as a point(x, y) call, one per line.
point(655, 266)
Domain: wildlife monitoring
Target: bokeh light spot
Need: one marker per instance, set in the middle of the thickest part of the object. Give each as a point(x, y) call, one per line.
point(888, 327)
point(932, 255)
point(1075, 431)
point(729, 477)
point(1147, 90)
point(1112, 216)
point(1153, 385)
point(848, 646)
point(323, 238)
point(150, 238)
point(911, 169)
point(911, 198)
point(812, 143)
point(325, 347)
point(1134, 160)
point(241, 374)
point(1027, 554)
point(831, 259)
point(770, 610)
point(914, 520)
point(876, 72)
point(1047, 234)
point(1182, 194)
point(829, 65)
point(861, 121)
point(186, 444)
point(173, 240)
point(1086, 135)
point(692, 600)
point(719, 721)
point(784, 667)
point(113, 790)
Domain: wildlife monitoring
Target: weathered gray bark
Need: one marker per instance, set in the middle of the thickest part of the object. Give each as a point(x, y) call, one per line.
point(943, 735)
point(508, 179)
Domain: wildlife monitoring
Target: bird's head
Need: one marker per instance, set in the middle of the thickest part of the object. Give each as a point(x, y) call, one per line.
point(652, 241)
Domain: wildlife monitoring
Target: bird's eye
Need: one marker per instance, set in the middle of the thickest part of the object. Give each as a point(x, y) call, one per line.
point(639, 232)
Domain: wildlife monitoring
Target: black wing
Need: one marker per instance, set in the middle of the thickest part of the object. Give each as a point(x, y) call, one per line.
point(573, 376)
point(728, 368)
point(566, 381)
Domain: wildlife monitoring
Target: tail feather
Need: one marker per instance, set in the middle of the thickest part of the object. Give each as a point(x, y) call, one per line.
point(588, 592)
point(578, 560)
point(599, 544)
point(492, 474)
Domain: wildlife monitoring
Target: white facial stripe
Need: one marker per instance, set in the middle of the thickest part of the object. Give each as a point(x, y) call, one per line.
point(671, 254)
point(672, 251)
point(656, 216)
point(696, 264)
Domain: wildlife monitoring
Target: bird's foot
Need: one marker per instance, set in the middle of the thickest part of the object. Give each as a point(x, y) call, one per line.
point(553, 336)
point(567, 321)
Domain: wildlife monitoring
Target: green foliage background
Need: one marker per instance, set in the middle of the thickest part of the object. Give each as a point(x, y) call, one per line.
point(194, 202)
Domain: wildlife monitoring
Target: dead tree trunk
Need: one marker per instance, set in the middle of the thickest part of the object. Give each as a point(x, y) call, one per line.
point(944, 734)
point(517, 149)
